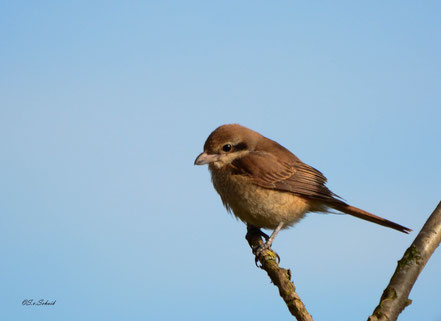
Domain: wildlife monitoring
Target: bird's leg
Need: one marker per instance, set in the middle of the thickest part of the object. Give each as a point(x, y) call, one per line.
point(270, 241)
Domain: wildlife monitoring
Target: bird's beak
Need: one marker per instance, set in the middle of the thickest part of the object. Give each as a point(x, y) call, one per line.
point(205, 158)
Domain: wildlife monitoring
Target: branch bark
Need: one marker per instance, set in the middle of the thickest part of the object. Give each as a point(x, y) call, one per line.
point(279, 276)
point(396, 295)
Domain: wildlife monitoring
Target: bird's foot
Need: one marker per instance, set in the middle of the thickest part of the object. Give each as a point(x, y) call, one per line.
point(254, 231)
point(264, 246)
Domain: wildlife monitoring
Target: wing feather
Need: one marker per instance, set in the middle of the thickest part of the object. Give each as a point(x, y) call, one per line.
point(294, 176)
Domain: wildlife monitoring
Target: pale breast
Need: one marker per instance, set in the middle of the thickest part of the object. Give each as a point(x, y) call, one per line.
point(256, 205)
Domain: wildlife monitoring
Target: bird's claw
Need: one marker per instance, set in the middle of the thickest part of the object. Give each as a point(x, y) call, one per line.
point(258, 251)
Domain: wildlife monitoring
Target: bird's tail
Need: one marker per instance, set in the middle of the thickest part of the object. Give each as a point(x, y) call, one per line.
point(354, 211)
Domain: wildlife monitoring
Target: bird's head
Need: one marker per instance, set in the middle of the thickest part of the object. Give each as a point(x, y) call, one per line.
point(227, 143)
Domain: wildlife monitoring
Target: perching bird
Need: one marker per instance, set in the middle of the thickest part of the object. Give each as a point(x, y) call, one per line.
point(267, 186)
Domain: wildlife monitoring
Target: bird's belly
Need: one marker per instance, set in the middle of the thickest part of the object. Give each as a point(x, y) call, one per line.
point(260, 206)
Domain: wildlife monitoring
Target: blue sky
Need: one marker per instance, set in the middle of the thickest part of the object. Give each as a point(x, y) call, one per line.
point(105, 105)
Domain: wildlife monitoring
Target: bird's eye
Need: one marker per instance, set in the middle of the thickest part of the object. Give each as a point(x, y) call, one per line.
point(226, 147)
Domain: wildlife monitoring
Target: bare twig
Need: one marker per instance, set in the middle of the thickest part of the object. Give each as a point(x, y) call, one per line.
point(279, 276)
point(395, 296)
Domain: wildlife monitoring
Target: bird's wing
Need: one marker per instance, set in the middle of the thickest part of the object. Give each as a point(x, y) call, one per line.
point(292, 175)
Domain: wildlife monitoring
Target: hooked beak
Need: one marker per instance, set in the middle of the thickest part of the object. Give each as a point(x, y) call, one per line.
point(205, 158)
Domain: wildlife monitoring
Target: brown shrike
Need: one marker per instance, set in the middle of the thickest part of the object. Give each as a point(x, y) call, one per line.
point(267, 186)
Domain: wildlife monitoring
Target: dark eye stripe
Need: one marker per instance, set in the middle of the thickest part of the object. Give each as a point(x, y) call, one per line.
point(240, 146)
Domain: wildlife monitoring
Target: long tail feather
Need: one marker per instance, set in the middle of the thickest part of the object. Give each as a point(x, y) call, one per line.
point(357, 212)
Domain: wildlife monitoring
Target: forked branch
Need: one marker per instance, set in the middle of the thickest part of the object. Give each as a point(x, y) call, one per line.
point(396, 295)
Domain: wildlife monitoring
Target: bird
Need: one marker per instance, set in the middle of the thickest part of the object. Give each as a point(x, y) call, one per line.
point(266, 186)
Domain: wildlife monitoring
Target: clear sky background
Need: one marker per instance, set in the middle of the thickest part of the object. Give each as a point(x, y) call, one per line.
point(104, 106)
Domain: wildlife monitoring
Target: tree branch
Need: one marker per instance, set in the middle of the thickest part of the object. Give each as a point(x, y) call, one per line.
point(279, 276)
point(395, 296)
